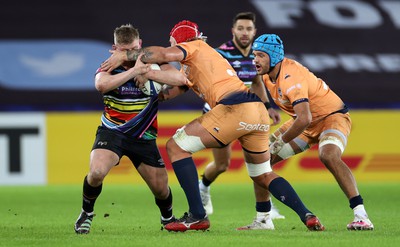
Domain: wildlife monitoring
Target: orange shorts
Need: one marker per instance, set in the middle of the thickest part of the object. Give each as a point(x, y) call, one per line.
point(247, 122)
point(338, 125)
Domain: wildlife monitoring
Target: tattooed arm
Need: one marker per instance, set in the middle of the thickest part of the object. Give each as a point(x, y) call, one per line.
point(152, 54)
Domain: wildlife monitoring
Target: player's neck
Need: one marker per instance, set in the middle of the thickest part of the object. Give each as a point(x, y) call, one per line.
point(274, 74)
point(245, 51)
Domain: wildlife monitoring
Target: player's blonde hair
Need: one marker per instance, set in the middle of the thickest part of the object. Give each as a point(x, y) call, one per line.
point(125, 34)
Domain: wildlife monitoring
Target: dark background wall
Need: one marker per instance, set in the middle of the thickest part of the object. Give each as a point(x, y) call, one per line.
point(352, 45)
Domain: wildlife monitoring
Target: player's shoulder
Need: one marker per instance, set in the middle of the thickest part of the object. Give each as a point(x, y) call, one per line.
point(292, 68)
point(101, 70)
point(291, 64)
point(193, 45)
point(227, 46)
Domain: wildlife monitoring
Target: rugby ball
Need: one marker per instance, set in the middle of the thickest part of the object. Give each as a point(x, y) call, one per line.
point(152, 87)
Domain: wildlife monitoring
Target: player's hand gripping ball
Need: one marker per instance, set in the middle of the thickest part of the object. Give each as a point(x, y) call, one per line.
point(277, 145)
point(152, 87)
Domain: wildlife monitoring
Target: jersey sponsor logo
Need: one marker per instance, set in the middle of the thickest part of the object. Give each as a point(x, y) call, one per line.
point(298, 85)
point(236, 64)
point(247, 74)
point(129, 90)
point(250, 127)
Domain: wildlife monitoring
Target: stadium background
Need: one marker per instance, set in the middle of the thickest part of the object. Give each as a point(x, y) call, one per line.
point(49, 51)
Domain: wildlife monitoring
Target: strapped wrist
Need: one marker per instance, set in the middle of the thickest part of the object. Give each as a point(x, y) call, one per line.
point(280, 140)
point(267, 105)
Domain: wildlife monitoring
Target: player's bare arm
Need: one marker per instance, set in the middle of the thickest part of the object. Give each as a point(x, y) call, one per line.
point(152, 54)
point(158, 54)
point(302, 121)
point(105, 82)
point(257, 86)
point(167, 75)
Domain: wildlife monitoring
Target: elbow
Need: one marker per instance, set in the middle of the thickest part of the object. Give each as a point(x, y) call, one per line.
point(101, 88)
point(182, 80)
point(306, 121)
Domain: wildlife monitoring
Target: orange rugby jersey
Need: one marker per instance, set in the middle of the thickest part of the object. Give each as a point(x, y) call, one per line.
point(212, 76)
point(296, 83)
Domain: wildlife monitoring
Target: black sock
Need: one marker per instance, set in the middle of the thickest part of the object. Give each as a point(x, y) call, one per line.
point(205, 181)
point(263, 206)
point(355, 201)
point(283, 191)
point(165, 206)
point(185, 171)
point(90, 195)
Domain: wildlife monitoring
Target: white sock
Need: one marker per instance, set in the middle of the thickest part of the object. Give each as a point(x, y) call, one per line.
point(203, 187)
point(90, 213)
point(360, 211)
point(165, 218)
point(261, 215)
point(272, 204)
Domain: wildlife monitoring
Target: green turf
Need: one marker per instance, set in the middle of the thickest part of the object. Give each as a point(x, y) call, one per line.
point(44, 216)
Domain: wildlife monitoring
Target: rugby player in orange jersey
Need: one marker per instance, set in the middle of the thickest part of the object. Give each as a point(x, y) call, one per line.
point(235, 113)
point(239, 54)
point(319, 116)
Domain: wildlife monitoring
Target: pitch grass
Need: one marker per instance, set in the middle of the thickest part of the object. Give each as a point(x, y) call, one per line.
point(127, 216)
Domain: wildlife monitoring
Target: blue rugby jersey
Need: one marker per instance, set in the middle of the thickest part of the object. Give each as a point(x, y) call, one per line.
point(243, 66)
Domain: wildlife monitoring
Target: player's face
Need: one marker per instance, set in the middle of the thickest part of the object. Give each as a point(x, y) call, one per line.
point(261, 61)
point(134, 45)
point(243, 33)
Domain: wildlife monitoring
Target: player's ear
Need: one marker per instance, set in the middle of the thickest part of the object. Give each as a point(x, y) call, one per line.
point(140, 43)
point(113, 47)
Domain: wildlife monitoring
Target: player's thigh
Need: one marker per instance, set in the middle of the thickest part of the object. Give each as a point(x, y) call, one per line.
point(222, 155)
point(106, 150)
point(230, 122)
point(103, 158)
point(155, 177)
point(335, 130)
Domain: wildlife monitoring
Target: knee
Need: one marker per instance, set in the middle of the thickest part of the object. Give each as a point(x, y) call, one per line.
point(329, 159)
point(168, 146)
point(160, 190)
point(96, 176)
point(172, 147)
point(264, 180)
point(222, 166)
point(161, 193)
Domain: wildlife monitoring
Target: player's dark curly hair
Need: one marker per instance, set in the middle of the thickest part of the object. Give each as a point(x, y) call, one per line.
point(245, 16)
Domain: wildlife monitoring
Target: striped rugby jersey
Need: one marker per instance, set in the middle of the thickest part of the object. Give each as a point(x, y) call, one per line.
point(128, 110)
